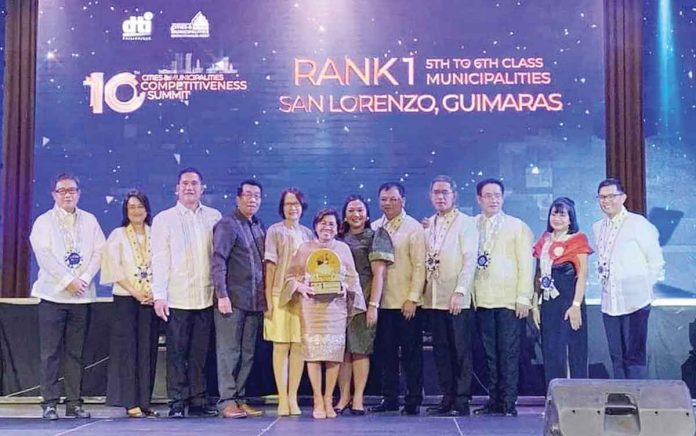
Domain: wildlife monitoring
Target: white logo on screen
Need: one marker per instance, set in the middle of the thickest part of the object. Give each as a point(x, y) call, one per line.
point(198, 27)
point(138, 28)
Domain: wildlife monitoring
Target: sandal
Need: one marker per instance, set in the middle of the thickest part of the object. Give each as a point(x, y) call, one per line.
point(135, 412)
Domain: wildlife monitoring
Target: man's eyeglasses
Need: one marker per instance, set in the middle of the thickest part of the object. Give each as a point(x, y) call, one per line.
point(443, 192)
point(66, 191)
point(249, 196)
point(609, 196)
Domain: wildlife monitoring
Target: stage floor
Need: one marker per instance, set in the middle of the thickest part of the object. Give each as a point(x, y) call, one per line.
point(16, 419)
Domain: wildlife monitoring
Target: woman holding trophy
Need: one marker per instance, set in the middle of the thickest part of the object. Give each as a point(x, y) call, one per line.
point(322, 276)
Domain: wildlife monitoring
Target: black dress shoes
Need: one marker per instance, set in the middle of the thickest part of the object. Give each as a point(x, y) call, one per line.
point(77, 412)
point(461, 410)
point(176, 413)
point(384, 406)
point(489, 409)
point(510, 410)
point(50, 413)
point(204, 411)
point(410, 410)
point(439, 410)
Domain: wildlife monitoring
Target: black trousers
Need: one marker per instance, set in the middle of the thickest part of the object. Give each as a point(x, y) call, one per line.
point(394, 331)
point(563, 347)
point(132, 353)
point(500, 333)
point(62, 330)
point(188, 337)
point(452, 342)
point(627, 336)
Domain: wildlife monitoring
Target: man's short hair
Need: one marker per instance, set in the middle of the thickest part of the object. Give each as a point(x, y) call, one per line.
point(189, 170)
point(65, 176)
point(484, 182)
point(611, 181)
point(391, 185)
point(445, 179)
point(251, 182)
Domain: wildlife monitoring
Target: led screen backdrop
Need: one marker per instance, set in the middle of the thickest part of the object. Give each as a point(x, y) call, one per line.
point(333, 97)
point(670, 137)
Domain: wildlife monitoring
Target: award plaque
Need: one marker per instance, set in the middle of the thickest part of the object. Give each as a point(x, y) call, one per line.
point(324, 271)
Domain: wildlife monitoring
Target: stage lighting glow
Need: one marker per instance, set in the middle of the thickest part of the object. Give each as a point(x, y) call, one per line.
point(669, 95)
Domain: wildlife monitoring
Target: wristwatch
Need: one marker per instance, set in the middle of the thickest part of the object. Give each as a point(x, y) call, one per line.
point(373, 304)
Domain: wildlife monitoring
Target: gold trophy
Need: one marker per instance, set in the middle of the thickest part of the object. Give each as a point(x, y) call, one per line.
point(324, 270)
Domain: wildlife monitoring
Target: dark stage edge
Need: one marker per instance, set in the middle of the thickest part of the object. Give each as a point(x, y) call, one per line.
point(23, 419)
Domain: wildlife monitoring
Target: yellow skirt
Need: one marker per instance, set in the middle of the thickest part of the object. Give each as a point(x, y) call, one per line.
point(284, 326)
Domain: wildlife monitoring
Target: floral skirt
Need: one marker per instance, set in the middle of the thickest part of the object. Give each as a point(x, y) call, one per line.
point(324, 320)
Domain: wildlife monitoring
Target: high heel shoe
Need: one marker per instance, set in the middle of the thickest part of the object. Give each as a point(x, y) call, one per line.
point(357, 412)
point(341, 410)
point(150, 413)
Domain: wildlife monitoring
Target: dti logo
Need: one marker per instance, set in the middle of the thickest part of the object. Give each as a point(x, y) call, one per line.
point(138, 28)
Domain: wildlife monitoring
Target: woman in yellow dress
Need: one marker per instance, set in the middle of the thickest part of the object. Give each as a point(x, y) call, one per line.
point(282, 324)
point(324, 263)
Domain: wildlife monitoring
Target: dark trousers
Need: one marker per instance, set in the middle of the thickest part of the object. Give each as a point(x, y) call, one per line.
point(188, 336)
point(394, 331)
point(500, 333)
point(562, 347)
point(627, 336)
point(452, 335)
point(62, 330)
point(235, 335)
point(132, 353)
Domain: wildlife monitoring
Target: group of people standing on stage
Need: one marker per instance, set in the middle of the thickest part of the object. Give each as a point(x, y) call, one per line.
point(387, 278)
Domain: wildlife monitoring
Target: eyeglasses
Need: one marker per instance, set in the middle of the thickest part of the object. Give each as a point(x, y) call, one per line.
point(293, 204)
point(609, 196)
point(250, 195)
point(489, 196)
point(443, 192)
point(390, 200)
point(64, 191)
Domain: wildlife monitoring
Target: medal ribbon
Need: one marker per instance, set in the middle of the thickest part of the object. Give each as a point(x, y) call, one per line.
point(607, 238)
point(392, 226)
point(71, 235)
point(546, 264)
point(143, 258)
point(489, 234)
point(436, 239)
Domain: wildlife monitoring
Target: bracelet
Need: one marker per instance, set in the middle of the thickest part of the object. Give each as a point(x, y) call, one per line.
point(373, 304)
point(577, 303)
